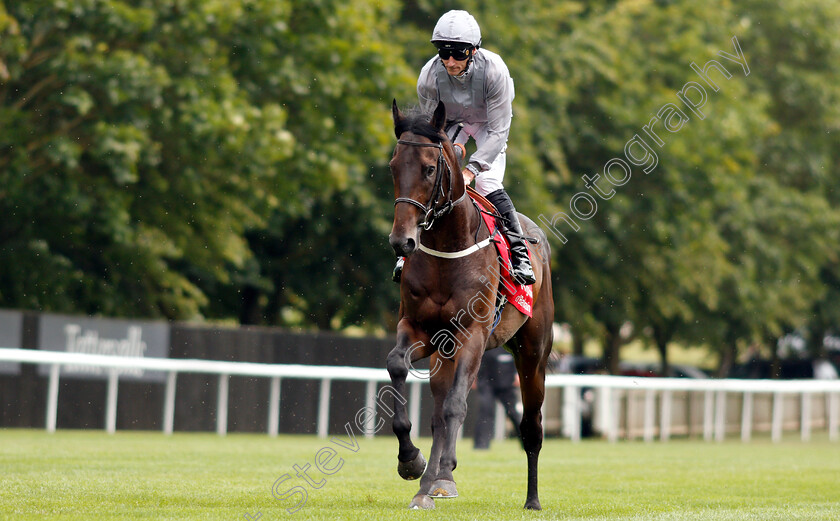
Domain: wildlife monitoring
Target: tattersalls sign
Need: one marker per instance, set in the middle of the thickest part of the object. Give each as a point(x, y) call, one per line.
point(11, 324)
point(109, 337)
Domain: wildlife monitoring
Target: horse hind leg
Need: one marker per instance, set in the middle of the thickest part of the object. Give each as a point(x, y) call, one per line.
point(533, 394)
point(531, 360)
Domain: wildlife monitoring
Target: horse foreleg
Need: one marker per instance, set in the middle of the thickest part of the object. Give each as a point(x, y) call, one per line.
point(440, 383)
point(452, 413)
point(411, 463)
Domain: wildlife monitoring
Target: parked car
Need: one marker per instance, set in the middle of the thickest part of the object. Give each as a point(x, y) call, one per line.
point(789, 369)
point(574, 364)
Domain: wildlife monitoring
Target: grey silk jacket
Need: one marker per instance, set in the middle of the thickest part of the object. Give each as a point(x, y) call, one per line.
point(481, 97)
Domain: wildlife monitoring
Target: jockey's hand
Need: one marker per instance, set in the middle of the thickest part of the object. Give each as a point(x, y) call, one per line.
point(468, 176)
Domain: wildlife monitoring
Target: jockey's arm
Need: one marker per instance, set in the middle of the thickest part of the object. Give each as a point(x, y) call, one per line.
point(499, 99)
point(427, 93)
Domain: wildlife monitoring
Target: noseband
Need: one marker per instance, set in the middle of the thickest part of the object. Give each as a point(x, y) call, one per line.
point(432, 212)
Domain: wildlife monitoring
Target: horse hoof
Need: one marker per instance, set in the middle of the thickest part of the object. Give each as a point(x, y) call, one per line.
point(533, 505)
point(443, 488)
point(412, 469)
point(421, 502)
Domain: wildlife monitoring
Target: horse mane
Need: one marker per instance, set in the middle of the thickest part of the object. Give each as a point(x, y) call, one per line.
point(418, 122)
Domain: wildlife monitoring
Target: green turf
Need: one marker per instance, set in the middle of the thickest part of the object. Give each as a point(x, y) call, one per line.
point(91, 475)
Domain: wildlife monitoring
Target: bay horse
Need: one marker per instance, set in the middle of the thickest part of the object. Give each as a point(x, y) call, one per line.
point(447, 305)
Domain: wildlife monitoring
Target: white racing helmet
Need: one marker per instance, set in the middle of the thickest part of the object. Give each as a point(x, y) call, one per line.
point(457, 26)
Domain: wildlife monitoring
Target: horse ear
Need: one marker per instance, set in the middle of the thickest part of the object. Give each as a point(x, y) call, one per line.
point(439, 117)
point(398, 116)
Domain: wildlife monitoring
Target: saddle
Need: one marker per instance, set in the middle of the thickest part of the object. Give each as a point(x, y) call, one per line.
point(481, 200)
point(521, 296)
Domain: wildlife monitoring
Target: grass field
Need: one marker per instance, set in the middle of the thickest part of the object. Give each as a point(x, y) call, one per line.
point(91, 475)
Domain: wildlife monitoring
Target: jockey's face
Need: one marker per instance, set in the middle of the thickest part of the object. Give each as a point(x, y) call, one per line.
point(454, 67)
point(455, 60)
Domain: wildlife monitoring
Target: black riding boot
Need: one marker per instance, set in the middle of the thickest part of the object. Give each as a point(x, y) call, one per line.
point(523, 273)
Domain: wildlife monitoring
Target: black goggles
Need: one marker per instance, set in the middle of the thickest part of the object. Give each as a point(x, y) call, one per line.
point(460, 53)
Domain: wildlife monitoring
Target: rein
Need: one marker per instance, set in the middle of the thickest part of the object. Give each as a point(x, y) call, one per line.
point(432, 212)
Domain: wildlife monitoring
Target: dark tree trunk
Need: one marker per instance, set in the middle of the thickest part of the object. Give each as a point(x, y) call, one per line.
point(727, 359)
point(250, 312)
point(664, 366)
point(662, 335)
point(577, 343)
point(815, 343)
point(612, 347)
point(775, 362)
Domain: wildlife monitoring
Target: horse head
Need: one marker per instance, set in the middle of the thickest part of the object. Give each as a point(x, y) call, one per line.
point(422, 168)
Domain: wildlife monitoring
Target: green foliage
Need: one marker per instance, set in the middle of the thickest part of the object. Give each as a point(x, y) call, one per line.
point(140, 144)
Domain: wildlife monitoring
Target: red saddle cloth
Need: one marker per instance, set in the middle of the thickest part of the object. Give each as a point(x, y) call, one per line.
point(520, 295)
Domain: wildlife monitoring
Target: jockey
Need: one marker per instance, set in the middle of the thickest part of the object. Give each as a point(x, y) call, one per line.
point(477, 90)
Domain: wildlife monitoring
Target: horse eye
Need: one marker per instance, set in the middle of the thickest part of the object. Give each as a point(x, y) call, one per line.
point(429, 170)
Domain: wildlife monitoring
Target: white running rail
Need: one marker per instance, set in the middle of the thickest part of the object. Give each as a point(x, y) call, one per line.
point(609, 387)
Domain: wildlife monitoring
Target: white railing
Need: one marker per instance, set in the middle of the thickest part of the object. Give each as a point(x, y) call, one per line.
point(224, 370)
point(608, 407)
point(715, 397)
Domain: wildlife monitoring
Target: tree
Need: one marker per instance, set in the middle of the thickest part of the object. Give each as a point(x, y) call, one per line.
point(142, 145)
point(322, 257)
point(796, 63)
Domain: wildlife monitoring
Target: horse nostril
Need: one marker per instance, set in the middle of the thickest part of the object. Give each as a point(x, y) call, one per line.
point(402, 245)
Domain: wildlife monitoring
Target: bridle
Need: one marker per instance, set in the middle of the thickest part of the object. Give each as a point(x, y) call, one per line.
point(433, 212)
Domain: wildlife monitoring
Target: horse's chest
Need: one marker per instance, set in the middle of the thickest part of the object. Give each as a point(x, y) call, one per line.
point(439, 309)
point(423, 306)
